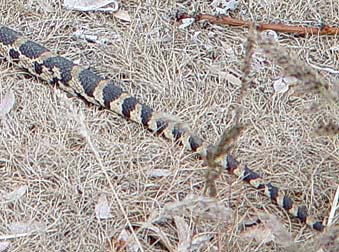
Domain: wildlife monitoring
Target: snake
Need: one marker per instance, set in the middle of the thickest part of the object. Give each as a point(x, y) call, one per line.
point(86, 84)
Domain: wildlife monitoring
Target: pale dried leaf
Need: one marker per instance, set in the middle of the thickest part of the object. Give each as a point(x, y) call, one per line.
point(183, 234)
point(25, 228)
point(92, 5)
point(156, 173)
point(46, 5)
point(7, 103)
point(290, 80)
point(186, 22)
point(102, 208)
point(225, 75)
point(220, 11)
point(123, 236)
point(195, 36)
point(16, 194)
point(215, 3)
point(280, 86)
point(4, 246)
point(79, 115)
point(222, 6)
point(123, 15)
point(231, 78)
point(270, 34)
point(90, 38)
point(128, 240)
point(76, 61)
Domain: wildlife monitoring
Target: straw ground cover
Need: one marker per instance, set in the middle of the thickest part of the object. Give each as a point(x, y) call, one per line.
point(68, 154)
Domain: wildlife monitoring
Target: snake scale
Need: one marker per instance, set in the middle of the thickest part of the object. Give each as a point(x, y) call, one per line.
point(79, 81)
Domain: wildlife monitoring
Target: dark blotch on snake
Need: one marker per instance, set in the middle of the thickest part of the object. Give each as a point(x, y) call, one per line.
point(63, 65)
point(14, 54)
point(8, 36)
point(37, 68)
point(273, 192)
point(249, 175)
point(89, 81)
point(110, 93)
point(32, 50)
point(194, 142)
point(287, 203)
point(128, 106)
point(177, 133)
point(302, 213)
point(146, 114)
point(161, 126)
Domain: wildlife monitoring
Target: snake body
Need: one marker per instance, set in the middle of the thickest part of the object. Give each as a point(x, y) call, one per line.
point(79, 81)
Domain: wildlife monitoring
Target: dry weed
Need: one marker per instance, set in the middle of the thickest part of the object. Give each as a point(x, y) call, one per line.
point(67, 162)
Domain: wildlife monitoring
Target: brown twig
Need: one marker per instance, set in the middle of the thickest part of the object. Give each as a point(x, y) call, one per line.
point(216, 153)
point(298, 30)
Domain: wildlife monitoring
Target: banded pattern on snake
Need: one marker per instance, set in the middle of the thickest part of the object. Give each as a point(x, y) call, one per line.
point(76, 80)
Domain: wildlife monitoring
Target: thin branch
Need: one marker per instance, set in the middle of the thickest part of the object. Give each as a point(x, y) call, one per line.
point(298, 30)
point(217, 152)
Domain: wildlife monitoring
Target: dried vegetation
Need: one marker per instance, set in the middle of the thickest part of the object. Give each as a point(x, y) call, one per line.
point(59, 157)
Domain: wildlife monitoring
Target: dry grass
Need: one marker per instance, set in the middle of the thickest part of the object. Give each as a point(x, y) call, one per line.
point(68, 154)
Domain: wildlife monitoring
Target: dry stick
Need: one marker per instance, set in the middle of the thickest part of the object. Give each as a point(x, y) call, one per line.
point(215, 154)
point(299, 30)
point(246, 68)
point(228, 137)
